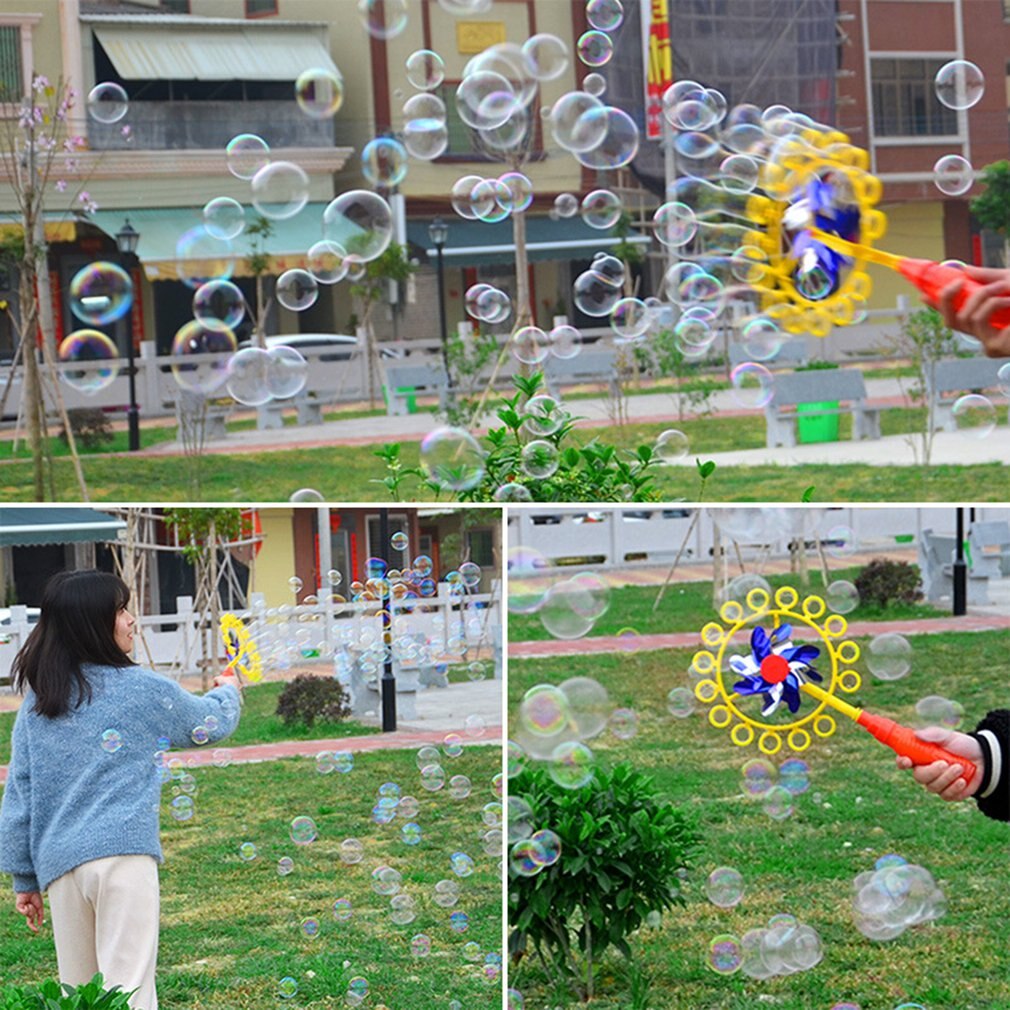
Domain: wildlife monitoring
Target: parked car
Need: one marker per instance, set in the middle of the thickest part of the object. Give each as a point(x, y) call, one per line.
point(337, 346)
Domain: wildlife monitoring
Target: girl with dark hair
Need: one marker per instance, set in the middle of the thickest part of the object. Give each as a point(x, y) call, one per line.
point(79, 816)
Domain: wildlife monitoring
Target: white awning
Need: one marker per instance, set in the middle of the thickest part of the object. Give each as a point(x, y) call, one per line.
point(212, 52)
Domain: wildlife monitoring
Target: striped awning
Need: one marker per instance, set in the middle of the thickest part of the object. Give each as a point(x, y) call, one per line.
point(32, 526)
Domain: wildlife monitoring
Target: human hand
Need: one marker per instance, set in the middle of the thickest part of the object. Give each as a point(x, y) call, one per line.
point(942, 777)
point(973, 317)
point(29, 904)
point(228, 677)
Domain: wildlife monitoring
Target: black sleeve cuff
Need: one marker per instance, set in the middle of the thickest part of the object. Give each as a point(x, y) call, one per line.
point(993, 736)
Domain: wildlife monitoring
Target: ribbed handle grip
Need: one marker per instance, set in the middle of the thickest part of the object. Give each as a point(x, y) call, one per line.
point(903, 741)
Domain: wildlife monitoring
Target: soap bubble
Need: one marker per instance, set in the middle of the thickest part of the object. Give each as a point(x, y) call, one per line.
point(542, 415)
point(247, 851)
point(530, 345)
point(680, 702)
point(351, 851)
point(753, 385)
point(540, 459)
point(310, 927)
point(605, 15)
point(303, 830)
point(671, 445)
point(520, 189)
point(841, 596)
point(452, 458)
point(218, 305)
point(761, 339)
point(88, 346)
point(595, 48)
point(725, 954)
point(571, 764)
point(425, 69)
point(594, 295)
point(620, 141)
point(565, 611)
point(200, 257)
point(566, 205)
point(889, 656)
point(544, 710)
point(280, 190)
point(112, 741)
point(974, 415)
point(601, 209)
point(794, 775)
point(247, 377)
point(758, 776)
point(327, 262)
point(284, 866)
point(224, 217)
point(725, 887)
point(107, 102)
point(485, 100)
point(182, 808)
point(546, 56)
point(101, 293)
point(383, 19)
point(425, 138)
point(192, 340)
point(287, 987)
point(840, 542)
point(675, 224)
point(738, 173)
point(296, 290)
point(384, 162)
point(959, 84)
point(361, 222)
point(579, 123)
point(953, 175)
point(935, 710)
point(319, 92)
point(594, 84)
point(462, 864)
point(623, 723)
point(630, 319)
point(386, 881)
point(777, 803)
point(1003, 379)
point(420, 945)
point(246, 154)
point(287, 374)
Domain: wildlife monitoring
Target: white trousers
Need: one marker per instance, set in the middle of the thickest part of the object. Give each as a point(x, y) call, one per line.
point(105, 916)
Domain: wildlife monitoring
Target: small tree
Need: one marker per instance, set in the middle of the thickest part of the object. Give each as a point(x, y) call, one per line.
point(202, 533)
point(992, 208)
point(260, 263)
point(393, 266)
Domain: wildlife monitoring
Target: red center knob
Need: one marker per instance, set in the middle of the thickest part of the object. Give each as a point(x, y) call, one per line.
point(774, 669)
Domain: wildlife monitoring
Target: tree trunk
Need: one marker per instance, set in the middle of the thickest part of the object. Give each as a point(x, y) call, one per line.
point(33, 385)
point(523, 309)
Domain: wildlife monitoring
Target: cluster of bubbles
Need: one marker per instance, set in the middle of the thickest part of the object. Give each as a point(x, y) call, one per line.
point(531, 850)
point(774, 788)
point(893, 896)
point(958, 85)
point(784, 947)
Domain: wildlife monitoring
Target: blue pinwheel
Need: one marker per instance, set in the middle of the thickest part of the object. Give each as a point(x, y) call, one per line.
point(775, 668)
point(821, 205)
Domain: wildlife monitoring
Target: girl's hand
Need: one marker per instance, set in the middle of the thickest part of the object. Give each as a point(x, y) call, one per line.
point(974, 315)
point(29, 904)
point(228, 677)
point(942, 777)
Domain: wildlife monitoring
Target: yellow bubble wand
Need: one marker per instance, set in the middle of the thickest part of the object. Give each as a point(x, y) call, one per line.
point(243, 654)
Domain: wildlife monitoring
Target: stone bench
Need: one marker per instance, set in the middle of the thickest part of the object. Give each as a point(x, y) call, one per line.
point(936, 563)
point(405, 380)
point(591, 365)
point(835, 385)
point(308, 405)
point(951, 378)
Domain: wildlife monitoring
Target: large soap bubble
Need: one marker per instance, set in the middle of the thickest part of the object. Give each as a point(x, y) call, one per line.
point(101, 293)
point(200, 357)
point(959, 84)
point(361, 222)
point(246, 154)
point(319, 92)
point(88, 346)
point(453, 459)
point(280, 190)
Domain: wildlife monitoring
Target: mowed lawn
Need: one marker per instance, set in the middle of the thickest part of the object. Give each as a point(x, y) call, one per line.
point(354, 473)
point(859, 807)
point(233, 929)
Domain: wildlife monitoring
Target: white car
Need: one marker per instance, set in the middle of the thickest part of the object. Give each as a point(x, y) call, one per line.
point(337, 346)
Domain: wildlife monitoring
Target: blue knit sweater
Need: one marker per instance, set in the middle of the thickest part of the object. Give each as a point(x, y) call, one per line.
point(73, 795)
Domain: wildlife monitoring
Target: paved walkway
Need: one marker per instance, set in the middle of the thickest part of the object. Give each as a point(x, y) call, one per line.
point(691, 639)
point(658, 408)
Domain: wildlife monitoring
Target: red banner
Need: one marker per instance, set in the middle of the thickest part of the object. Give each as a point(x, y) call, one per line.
point(658, 62)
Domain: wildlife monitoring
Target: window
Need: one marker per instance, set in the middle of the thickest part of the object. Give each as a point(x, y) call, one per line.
point(11, 70)
point(1006, 10)
point(481, 544)
point(904, 103)
point(260, 8)
point(397, 524)
point(176, 6)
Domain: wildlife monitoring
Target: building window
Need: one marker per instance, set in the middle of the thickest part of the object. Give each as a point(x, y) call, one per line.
point(481, 544)
point(176, 6)
point(1006, 10)
point(904, 102)
point(464, 143)
point(11, 69)
point(260, 8)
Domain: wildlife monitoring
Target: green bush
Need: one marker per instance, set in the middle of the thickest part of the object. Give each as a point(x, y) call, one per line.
point(307, 698)
point(90, 425)
point(622, 851)
point(882, 582)
point(50, 995)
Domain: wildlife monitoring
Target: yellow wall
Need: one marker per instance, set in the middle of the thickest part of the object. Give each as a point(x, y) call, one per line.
point(275, 563)
point(913, 229)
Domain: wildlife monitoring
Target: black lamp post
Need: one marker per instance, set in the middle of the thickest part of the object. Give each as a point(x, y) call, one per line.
point(126, 240)
point(388, 682)
point(438, 232)
point(960, 594)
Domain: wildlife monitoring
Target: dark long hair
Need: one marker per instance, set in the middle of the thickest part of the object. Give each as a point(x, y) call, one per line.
point(77, 625)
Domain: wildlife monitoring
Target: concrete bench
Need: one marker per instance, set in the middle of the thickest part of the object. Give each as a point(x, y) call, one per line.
point(408, 683)
point(792, 354)
point(936, 563)
point(308, 405)
point(407, 380)
point(591, 365)
point(189, 406)
point(952, 378)
point(989, 543)
point(836, 385)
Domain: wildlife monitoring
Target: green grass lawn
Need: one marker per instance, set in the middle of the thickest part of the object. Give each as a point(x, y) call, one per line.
point(350, 473)
point(686, 606)
point(231, 930)
point(259, 724)
point(859, 807)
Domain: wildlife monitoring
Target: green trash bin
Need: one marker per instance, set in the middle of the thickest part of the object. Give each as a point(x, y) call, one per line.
point(409, 394)
point(814, 427)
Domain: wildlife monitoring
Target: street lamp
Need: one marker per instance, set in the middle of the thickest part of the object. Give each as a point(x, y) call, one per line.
point(438, 232)
point(388, 682)
point(126, 240)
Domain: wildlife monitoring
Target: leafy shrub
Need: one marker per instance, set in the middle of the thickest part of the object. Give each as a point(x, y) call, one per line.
point(882, 582)
point(595, 472)
point(50, 995)
point(621, 849)
point(307, 698)
point(90, 425)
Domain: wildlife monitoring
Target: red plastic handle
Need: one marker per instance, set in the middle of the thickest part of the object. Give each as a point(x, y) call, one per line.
point(903, 741)
point(931, 278)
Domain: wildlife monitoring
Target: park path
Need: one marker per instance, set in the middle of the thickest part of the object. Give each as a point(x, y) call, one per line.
point(691, 639)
